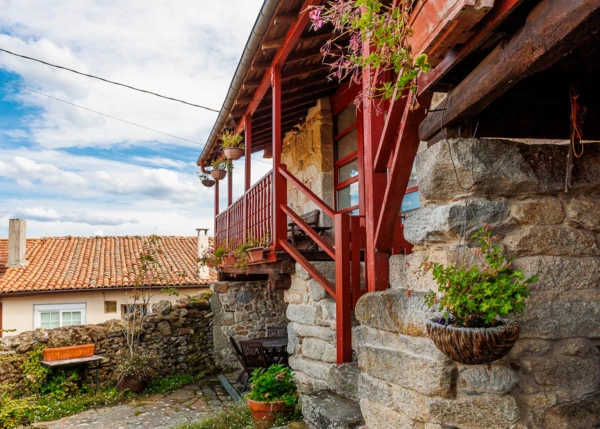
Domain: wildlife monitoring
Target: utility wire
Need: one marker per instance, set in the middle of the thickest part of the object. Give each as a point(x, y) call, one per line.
point(108, 81)
point(112, 117)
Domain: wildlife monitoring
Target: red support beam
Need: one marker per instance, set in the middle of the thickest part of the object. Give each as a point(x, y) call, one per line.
point(279, 231)
point(343, 299)
point(399, 174)
point(310, 268)
point(306, 191)
point(216, 204)
point(229, 188)
point(389, 133)
point(248, 146)
point(314, 235)
point(289, 42)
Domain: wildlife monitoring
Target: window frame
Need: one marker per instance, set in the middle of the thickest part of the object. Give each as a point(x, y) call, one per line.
point(60, 308)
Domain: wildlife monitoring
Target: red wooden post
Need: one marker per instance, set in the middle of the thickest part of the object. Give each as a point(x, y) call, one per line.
point(229, 188)
point(216, 205)
point(343, 297)
point(279, 231)
point(248, 145)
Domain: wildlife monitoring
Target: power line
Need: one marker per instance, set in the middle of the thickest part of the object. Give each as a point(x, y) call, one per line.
point(108, 81)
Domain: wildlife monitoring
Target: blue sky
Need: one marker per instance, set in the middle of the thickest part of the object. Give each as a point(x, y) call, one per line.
point(73, 172)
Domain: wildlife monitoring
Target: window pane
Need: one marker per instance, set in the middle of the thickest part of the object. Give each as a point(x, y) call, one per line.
point(347, 171)
point(345, 145)
point(66, 318)
point(347, 196)
point(411, 201)
point(71, 318)
point(49, 320)
point(345, 119)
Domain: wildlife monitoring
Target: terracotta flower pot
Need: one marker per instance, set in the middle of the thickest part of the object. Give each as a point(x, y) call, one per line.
point(228, 259)
point(265, 413)
point(255, 254)
point(208, 183)
point(474, 346)
point(133, 383)
point(233, 153)
point(210, 264)
point(71, 352)
point(218, 174)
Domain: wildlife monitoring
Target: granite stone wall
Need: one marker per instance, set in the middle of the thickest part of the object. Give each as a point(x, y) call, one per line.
point(551, 378)
point(180, 335)
point(243, 310)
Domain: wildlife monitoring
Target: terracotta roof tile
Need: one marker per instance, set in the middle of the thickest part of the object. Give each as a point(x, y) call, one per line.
point(66, 263)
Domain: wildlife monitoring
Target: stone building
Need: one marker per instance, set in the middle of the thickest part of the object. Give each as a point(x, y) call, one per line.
point(507, 81)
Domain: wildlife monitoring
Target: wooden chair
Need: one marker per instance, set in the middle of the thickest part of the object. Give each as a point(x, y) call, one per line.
point(253, 354)
point(277, 331)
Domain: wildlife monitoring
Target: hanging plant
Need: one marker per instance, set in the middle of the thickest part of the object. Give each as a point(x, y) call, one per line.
point(220, 168)
point(474, 301)
point(206, 180)
point(232, 144)
point(385, 28)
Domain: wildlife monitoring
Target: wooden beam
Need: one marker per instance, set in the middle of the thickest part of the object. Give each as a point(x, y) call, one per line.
point(501, 10)
point(279, 229)
point(343, 298)
point(288, 75)
point(248, 150)
point(286, 113)
point(216, 207)
point(273, 44)
point(314, 235)
point(399, 174)
point(389, 133)
point(285, 19)
point(229, 188)
point(306, 191)
point(550, 32)
point(310, 268)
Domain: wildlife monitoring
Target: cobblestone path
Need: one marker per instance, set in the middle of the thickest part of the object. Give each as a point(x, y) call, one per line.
point(191, 403)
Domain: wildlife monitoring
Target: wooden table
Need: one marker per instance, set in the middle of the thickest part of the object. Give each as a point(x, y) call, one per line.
point(78, 361)
point(275, 345)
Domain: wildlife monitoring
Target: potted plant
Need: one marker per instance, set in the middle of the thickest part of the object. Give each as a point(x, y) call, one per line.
point(220, 167)
point(228, 258)
point(474, 301)
point(134, 369)
point(256, 250)
point(232, 144)
point(206, 180)
point(273, 393)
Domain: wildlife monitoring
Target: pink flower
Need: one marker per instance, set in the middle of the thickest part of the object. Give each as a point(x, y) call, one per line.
point(436, 300)
point(315, 17)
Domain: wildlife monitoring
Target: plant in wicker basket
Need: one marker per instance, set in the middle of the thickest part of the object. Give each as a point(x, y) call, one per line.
point(206, 180)
point(474, 301)
point(232, 144)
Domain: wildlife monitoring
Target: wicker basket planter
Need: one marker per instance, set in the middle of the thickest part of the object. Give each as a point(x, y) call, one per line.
point(264, 413)
point(209, 183)
point(474, 346)
point(233, 153)
point(218, 174)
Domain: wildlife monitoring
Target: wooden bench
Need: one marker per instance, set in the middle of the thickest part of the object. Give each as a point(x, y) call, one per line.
point(296, 234)
point(71, 356)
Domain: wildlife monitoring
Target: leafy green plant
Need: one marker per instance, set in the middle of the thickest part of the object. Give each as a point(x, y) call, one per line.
point(385, 28)
point(228, 139)
point(222, 164)
point(275, 383)
point(212, 256)
point(239, 417)
point(140, 363)
point(476, 297)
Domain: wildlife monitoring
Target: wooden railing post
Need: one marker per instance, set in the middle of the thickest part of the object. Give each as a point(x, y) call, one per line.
point(343, 297)
point(216, 208)
point(248, 153)
point(279, 230)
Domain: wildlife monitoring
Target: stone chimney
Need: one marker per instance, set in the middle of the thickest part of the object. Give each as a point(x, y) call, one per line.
point(17, 239)
point(203, 244)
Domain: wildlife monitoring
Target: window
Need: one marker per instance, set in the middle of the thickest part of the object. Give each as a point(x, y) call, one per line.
point(110, 306)
point(50, 316)
point(140, 309)
point(411, 198)
point(346, 144)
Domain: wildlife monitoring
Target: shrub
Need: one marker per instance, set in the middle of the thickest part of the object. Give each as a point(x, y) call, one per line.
point(476, 297)
point(274, 384)
point(228, 139)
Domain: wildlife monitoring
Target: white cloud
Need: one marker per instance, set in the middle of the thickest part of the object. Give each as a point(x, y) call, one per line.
point(42, 214)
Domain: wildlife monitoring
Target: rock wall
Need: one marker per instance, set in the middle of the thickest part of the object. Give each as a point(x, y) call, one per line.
point(180, 335)
point(551, 378)
point(243, 310)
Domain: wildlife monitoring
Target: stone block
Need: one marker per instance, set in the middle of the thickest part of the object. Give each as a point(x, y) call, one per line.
point(583, 413)
point(327, 410)
point(312, 368)
point(224, 319)
point(543, 211)
point(343, 380)
point(394, 310)
point(307, 384)
point(584, 213)
point(219, 287)
point(321, 332)
point(440, 223)
point(576, 347)
point(317, 349)
point(292, 339)
point(379, 417)
point(316, 291)
point(493, 379)
point(565, 372)
point(417, 373)
point(559, 273)
point(484, 411)
point(302, 314)
point(551, 240)
point(293, 297)
point(524, 347)
point(561, 315)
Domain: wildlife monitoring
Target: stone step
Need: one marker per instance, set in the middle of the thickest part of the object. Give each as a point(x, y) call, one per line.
point(326, 410)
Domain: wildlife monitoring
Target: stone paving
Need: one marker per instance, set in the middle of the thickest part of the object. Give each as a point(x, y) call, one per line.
point(191, 403)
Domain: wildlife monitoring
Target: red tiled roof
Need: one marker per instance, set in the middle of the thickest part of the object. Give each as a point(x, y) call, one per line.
point(72, 263)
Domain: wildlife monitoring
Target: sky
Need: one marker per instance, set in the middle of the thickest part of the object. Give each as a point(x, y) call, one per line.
point(68, 171)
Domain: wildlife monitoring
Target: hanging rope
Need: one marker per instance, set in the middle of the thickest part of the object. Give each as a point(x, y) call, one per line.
point(577, 117)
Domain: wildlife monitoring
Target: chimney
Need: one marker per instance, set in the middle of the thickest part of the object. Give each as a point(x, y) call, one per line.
point(17, 243)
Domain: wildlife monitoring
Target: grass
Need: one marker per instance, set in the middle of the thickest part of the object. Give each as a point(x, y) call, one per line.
point(238, 417)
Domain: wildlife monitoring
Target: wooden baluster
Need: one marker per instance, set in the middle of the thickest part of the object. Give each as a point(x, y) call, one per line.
point(343, 297)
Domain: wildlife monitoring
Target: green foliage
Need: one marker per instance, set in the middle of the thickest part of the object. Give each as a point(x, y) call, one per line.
point(274, 384)
point(140, 363)
point(212, 256)
point(238, 417)
point(474, 297)
point(35, 373)
point(228, 139)
point(168, 383)
point(222, 164)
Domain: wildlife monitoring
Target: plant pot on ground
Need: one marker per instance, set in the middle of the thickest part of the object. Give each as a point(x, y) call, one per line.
point(133, 383)
point(274, 393)
point(474, 301)
point(134, 368)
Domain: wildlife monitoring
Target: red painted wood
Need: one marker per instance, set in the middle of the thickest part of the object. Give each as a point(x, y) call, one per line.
point(279, 231)
point(289, 43)
point(501, 10)
point(216, 206)
point(389, 133)
point(248, 153)
point(357, 240)
point(310, 194)
point(309, 231)
point(400, 245)
point(399, 174)
point(310, 268)
point(342, 280)
point(1, 320)
point(229, 188)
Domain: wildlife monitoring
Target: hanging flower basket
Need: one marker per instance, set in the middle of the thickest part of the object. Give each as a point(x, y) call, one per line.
point(218, 174)
point(255, 254)
point(233, 153)
point(209, 183)
point(474, 346)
